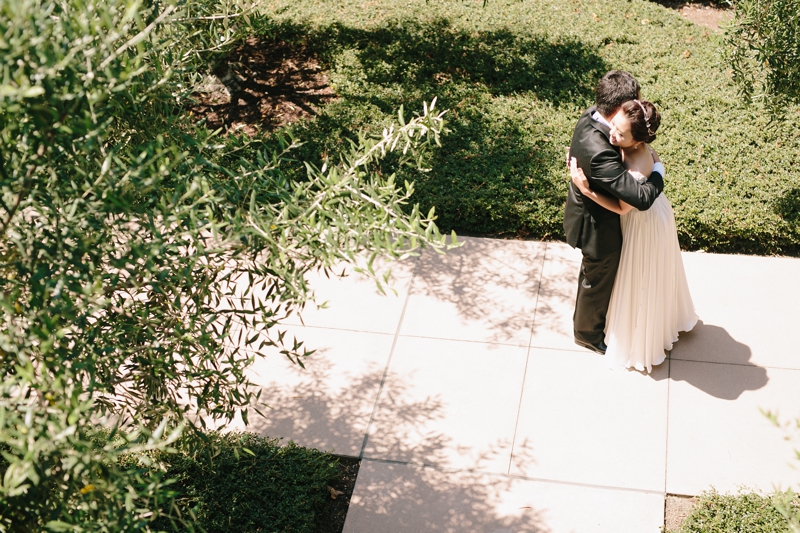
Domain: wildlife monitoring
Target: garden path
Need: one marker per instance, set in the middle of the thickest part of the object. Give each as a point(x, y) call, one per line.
point(472, 409)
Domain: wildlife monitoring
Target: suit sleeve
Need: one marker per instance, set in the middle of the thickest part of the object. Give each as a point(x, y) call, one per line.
point(610, 176)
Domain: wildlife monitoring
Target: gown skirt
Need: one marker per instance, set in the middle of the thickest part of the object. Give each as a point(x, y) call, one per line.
point(650, 302)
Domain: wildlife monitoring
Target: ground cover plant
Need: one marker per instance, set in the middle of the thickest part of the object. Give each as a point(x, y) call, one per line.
point(752, 512)
point(516, 75)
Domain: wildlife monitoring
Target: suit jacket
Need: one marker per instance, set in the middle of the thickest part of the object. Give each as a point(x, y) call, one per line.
point(587, 225)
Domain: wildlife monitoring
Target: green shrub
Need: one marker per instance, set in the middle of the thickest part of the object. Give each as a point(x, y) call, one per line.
point(244, 483)
point(516, 75)
point(749, 512)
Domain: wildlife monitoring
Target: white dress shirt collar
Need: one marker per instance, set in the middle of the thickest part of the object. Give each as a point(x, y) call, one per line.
point(601, 119)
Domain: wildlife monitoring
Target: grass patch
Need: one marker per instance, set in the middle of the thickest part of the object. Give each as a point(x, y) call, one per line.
point(516, 75)
point(752, 512)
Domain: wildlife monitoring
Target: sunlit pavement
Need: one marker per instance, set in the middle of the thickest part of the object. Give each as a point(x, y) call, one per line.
point(473, 410)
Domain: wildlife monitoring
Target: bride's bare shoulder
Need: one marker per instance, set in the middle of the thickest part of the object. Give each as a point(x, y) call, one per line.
point(641, 164)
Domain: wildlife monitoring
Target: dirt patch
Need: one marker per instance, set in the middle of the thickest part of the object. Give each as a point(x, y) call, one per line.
point(340, 491)
point(704, 14)
point(262, 85)
point(676, 510)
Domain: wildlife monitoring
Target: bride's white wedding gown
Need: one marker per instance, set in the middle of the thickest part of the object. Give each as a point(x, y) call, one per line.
point(650, 302)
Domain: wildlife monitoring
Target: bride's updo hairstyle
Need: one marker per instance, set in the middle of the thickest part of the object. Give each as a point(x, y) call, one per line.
point(644, 119)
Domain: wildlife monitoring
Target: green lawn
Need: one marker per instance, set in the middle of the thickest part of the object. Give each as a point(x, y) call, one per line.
point(515, 77)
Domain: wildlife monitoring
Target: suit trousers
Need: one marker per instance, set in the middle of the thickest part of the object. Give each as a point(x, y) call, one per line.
point(595, 283)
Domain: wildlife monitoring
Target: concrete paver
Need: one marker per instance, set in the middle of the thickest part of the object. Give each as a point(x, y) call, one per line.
point(396, 497)
point(449, 403)
point(478, 292)
point(717, 433)
point(328, 404)
point(354, 303)
point(552, 326)
point(582, 422)
point(473, 410)
point(750, 305)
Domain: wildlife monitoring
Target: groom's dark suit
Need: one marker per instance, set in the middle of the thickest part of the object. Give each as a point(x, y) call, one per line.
point(596, 230)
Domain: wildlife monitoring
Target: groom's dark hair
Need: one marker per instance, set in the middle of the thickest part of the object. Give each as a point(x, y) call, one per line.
point(613, 90)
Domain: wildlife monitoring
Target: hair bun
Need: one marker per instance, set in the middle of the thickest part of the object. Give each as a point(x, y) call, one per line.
point(644, 119)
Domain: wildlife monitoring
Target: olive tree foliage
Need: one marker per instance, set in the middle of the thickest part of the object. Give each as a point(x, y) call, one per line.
point(132, 242)
point(763, 49)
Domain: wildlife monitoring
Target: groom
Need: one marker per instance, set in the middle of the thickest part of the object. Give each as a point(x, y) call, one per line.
point(593, 229)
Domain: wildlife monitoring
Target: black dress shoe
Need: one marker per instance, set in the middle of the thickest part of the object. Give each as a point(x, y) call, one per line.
point(600, 347)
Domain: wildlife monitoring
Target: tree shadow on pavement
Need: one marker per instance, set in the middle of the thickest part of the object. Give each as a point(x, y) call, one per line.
point(398, 497)
point(556, 297)
point(484, 290)
point(327, 408)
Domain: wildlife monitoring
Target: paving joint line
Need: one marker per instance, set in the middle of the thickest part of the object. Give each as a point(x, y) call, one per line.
point(510, 476)
point(527, 359)
point(341, 329)
point(666, 439)
point(388, 363)
point(493, 343)
point(736, 364)
point(577, 349)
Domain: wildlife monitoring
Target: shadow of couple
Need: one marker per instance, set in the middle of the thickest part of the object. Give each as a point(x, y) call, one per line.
point(705, 347)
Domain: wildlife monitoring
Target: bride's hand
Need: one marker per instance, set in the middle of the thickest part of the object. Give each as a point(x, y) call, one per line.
point(578, 177)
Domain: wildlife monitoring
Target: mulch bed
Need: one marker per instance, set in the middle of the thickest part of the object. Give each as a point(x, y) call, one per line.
point(706, 14)
point(676, 509)
point(262, 85)
point(341, 492)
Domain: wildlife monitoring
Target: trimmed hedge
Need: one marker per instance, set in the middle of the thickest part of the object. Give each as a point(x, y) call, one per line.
point(516, 75)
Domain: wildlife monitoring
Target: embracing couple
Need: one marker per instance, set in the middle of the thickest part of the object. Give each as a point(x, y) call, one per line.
point(633, 297)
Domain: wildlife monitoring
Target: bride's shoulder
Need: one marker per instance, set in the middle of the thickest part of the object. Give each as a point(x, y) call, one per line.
point(641, 166)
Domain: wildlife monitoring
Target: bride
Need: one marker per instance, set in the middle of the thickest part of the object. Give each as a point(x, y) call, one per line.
point(650, 302)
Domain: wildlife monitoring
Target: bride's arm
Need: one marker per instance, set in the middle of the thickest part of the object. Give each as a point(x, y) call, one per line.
point(623, 207)
point(580, 181)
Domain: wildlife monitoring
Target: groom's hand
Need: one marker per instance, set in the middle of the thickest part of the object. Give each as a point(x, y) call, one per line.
point(578, 177)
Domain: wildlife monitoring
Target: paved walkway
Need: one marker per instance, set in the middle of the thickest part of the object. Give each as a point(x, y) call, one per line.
point(473, 410)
